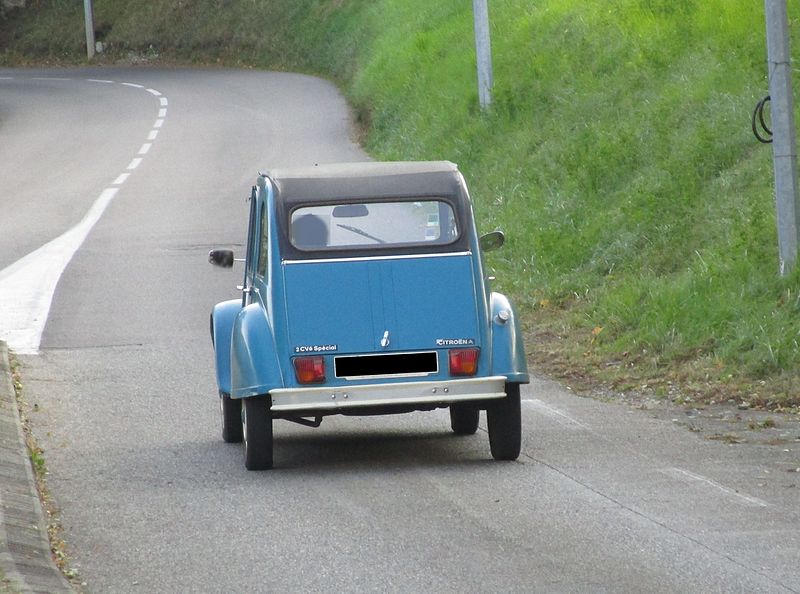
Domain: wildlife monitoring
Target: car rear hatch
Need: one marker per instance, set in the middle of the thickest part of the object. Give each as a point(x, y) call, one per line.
point(381, 317)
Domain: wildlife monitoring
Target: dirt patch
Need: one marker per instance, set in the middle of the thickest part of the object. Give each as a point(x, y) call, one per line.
point(691, 393)
point(570, 355)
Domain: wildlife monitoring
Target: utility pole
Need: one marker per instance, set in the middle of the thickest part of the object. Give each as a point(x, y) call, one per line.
point(89, 18)
point(483, 51)
point(784, 146)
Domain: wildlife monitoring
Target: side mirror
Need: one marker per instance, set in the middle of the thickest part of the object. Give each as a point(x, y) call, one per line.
point(492, 241)
point(221, 258)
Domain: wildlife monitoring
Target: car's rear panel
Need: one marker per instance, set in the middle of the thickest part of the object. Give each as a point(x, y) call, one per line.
point(381, 319)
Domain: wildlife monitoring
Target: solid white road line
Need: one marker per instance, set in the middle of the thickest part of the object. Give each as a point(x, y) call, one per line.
point(27, 286)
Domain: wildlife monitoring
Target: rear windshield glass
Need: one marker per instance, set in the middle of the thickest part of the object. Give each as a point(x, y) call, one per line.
point(373, 224)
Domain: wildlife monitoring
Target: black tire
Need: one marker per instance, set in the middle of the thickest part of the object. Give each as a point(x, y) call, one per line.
point(231, 418)
point(504, 421)
point(257, 432)
point(464, 418)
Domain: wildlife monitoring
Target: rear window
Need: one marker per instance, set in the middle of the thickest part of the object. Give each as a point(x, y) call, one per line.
point(373, 225)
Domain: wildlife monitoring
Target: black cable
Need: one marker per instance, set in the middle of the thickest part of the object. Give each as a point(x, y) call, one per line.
point(759, 111)
point(761, 115)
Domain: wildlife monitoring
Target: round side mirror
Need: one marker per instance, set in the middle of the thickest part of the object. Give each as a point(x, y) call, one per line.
point(221, 258)
point(492, 241)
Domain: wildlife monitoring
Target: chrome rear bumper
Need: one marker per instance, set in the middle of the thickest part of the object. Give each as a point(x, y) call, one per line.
point(409, 393)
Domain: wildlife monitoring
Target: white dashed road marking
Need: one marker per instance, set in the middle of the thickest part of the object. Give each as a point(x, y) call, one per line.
point(555, 414)
point(569, 423)
point(27, 286)
point(686, 476)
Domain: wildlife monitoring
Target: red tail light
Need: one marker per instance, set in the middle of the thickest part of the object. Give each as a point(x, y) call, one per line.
point(464, 361)
point(309, 370)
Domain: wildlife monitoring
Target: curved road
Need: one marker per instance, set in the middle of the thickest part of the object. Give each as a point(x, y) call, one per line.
point(603, 498)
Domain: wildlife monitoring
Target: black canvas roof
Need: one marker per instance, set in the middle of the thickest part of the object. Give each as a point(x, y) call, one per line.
point(368, 180)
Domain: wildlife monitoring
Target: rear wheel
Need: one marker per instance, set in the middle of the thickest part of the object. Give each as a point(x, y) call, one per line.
point(505, 425)
point(257, 432)
point(464, 418)
point(231, 418)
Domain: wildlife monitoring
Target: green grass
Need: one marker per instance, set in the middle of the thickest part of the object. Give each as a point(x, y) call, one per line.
point(6, 586)
point(617, 156)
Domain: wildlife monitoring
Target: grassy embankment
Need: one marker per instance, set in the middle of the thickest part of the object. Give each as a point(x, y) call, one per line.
point(617, 156)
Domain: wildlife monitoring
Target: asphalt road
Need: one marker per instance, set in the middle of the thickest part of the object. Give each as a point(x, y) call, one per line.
point(603, 498)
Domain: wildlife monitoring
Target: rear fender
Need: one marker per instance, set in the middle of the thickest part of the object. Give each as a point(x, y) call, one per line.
point(508, 348)
point(222, 317)
point(255, 368)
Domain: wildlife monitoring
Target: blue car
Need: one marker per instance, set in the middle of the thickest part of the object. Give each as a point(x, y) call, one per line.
point(365, 293)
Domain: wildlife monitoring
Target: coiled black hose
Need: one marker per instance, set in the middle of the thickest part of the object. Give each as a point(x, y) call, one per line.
point(758, 112)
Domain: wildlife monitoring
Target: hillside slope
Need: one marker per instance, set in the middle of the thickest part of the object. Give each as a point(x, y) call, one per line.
point(617, 157)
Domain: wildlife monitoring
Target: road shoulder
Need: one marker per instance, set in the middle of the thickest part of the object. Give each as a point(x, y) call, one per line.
point(25, 561)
